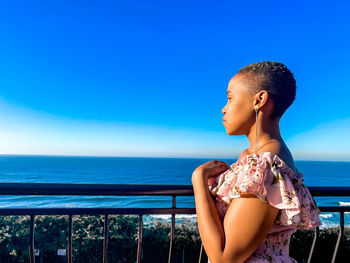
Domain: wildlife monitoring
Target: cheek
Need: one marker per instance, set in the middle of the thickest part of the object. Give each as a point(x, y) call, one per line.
point(239, 111)
point(233, 108)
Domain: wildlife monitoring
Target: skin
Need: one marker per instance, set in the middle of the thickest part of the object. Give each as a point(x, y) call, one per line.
point(248, 219)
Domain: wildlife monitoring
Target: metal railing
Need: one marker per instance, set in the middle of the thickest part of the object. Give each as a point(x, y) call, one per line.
point(134, 190)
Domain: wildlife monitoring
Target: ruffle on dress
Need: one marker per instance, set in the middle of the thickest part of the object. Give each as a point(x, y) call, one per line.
point(271, 180)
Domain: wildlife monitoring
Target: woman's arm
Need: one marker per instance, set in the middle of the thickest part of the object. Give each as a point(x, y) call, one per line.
point(246, 224)
point(208, 220)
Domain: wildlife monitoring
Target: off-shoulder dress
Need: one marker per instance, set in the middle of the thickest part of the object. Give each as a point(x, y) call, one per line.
point(271, 180)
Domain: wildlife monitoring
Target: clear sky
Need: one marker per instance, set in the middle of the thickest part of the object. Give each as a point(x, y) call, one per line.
point(149, 78)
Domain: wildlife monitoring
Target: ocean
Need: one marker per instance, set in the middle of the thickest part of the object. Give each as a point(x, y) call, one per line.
point(139, 170)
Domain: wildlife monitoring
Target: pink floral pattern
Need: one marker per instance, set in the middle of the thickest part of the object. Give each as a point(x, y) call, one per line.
point(271, 180)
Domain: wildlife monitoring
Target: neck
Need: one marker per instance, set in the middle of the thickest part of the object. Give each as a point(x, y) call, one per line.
point(268, 132)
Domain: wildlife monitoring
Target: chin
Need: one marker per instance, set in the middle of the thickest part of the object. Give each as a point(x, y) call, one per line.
point(229, 132)
point(233, 132)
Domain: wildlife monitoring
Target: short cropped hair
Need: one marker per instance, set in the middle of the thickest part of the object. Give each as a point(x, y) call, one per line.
point(277, 80)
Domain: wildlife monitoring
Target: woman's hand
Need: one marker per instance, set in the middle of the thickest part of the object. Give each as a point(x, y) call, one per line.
point(208, 170)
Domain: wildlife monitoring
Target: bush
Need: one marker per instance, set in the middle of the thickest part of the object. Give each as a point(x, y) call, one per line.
point(301, 243)
point(51, 233)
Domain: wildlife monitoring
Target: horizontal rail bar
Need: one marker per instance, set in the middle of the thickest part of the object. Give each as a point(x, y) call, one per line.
point(123, 211)
point(329, 190)
point(129, 189)
point(94, 189)
point(95, 211)
point(334, 208)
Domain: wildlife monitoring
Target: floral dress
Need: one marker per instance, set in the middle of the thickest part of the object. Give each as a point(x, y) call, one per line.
point(271, 180)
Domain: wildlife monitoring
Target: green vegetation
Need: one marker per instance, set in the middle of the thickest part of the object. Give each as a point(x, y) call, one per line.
point(51, 234)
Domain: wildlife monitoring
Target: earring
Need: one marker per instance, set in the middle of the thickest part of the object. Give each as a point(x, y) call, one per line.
point(256, 130)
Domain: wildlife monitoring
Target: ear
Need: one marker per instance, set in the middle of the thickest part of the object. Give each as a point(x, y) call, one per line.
point(261, 99)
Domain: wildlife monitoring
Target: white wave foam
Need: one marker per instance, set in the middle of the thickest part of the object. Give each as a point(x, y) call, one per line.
point(327, 225)
point(167, 218)
point(326, 215)
point(344, 203)
point(176, 216)
point(186, 216)
point(161, 216)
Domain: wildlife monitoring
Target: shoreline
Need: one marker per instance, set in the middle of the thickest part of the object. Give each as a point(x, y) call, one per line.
point(148, 220)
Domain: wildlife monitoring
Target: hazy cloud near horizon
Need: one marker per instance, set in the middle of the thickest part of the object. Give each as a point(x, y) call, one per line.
point(24, 131)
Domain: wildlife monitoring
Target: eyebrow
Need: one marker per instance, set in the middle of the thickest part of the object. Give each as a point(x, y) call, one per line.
point(229, 91)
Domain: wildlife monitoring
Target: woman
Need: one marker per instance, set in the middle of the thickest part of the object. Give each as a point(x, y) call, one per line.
point(247, 211)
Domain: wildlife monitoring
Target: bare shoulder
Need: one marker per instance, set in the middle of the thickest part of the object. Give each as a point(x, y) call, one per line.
point(284, 154)
point(280, 150)
point(244, 153)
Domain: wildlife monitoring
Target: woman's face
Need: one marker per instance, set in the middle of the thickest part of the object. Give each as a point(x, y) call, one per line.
point(239, 112)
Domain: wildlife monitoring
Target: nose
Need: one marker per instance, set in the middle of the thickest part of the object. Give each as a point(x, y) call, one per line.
point(223, 110)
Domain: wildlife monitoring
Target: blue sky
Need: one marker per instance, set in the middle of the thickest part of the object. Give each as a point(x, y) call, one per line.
point(141, 78)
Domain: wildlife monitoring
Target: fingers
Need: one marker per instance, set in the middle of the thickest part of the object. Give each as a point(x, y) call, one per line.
point(224, 167)
point(218, 164)
point(221, 163)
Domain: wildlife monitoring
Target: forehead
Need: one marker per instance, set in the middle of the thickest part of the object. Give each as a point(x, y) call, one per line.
point(237, 84)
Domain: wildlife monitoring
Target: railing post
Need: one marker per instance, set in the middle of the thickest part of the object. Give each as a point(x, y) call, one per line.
point(313, 244)
point(172, 231)
point(105, 240)
point(31, 241)
point(139, 244)
point(340, 234)
point(70, 226)
point(200, 253)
